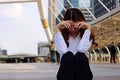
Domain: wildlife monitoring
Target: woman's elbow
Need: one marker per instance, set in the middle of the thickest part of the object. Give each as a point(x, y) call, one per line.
point(83, 50)
point(62, 51)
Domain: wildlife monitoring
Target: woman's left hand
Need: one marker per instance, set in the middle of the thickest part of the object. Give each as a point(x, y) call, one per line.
point(83, 25)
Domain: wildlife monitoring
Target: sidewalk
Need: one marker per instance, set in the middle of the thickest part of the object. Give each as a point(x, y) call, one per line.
point(48, 71)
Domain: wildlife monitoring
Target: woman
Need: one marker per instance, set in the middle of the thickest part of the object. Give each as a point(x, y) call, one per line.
point(52, 51)
point(72, 40)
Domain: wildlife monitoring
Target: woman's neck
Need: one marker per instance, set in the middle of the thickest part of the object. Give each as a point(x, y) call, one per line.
point(74, 35)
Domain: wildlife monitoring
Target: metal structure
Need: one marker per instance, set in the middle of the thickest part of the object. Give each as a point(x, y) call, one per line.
point(107, 27)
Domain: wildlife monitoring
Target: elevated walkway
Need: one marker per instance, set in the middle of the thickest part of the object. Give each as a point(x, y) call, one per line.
point(107, 27)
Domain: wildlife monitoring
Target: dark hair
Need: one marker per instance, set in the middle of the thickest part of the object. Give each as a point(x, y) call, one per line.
point(75, 15)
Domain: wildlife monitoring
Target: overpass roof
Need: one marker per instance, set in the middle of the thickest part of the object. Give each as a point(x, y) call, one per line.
point(107, 27)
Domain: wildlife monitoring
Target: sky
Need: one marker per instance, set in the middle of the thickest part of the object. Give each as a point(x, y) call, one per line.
point(20, 28)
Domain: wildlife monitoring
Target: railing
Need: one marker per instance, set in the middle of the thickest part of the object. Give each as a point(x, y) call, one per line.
point(97, 56)
point(105, 56)
point(118, 54)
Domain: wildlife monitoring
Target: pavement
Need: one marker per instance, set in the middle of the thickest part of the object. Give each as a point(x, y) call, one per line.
point(48, 71)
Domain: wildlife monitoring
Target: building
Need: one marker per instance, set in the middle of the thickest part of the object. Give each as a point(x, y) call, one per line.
point(4, 52)
point(99, 9)
point(0, 52)
point(43, 48)
point(87, 15)
point(76, 4)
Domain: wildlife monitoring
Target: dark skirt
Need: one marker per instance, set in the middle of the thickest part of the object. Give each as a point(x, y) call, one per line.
point(74, 67)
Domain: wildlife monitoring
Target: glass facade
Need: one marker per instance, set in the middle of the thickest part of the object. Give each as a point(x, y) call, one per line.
point(75, 3)
point(99, 9)
point(118, 2)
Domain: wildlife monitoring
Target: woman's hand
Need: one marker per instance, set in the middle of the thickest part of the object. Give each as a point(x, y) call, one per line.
point(83, 25)
point(64, 24)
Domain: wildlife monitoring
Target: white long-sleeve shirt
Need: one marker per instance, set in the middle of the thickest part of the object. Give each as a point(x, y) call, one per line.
point(75, 44)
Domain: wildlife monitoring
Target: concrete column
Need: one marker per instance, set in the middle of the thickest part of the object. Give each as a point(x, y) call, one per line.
point(44, 20)
point(28, 60)
point(16, 60)
point(114, 25)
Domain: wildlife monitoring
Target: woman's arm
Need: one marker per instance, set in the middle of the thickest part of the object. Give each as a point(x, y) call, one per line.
point(85, 42)
point(60, 44)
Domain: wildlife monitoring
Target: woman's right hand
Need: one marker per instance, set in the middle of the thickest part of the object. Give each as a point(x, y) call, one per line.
point(64, 24)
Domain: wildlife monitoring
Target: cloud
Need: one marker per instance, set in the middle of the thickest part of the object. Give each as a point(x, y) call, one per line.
point(23, 30)
point(12, 11)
